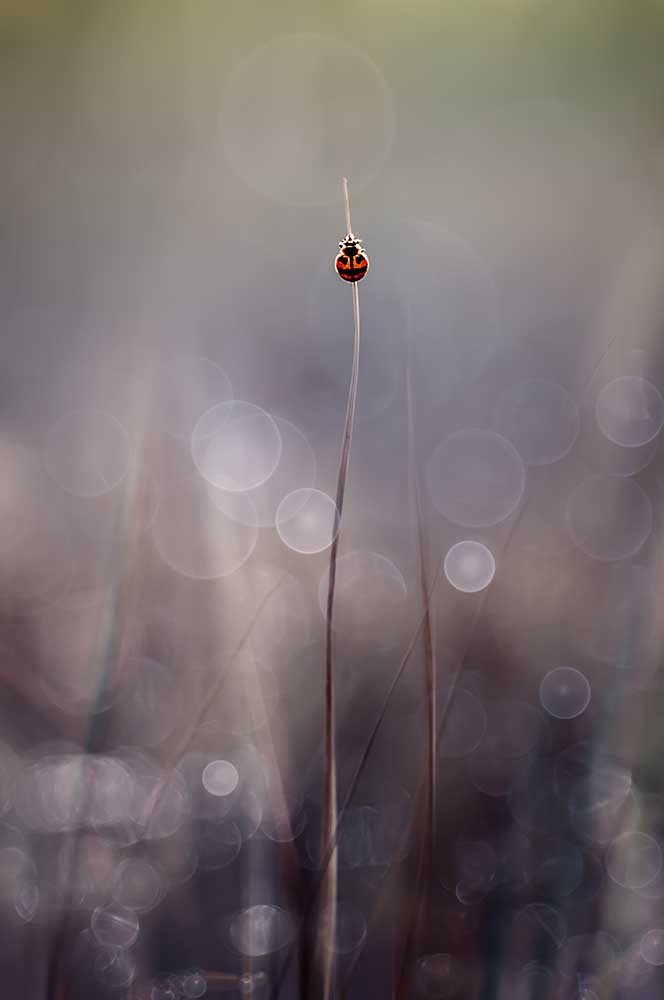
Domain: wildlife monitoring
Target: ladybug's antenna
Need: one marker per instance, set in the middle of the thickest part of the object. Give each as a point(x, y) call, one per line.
point(347, 206)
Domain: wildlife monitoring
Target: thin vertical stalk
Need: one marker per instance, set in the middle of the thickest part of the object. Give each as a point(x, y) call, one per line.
point(329, 893)
point(429, 637)
point(346, 204)
point(412, 916)
point(415, 915)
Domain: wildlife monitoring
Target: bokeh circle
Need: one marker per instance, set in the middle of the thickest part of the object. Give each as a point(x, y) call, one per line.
point(629, 411)
point(282, 103)
point(565, 692)
point(236, 446)
point(469, 566)
point(609, 517)
point(476, 478)
point(541, 420)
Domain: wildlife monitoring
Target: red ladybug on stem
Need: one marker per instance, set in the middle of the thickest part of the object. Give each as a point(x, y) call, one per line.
point(351, 263)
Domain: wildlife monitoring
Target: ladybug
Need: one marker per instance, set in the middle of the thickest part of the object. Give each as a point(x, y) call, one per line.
point(351, 262)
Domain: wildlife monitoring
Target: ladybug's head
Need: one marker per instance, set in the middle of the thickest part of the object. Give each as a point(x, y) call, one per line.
point(351, 245)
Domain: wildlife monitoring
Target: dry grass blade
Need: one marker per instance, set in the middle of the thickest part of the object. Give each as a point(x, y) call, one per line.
point(346, 204)
point(416, 913)
point(329, 889)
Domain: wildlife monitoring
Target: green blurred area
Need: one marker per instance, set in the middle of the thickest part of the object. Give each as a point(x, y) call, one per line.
point(457, 53)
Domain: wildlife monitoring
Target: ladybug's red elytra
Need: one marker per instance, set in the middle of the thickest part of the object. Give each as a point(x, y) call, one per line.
point(351, 263)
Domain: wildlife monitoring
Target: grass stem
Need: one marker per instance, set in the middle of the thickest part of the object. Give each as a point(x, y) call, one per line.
point(329, 888)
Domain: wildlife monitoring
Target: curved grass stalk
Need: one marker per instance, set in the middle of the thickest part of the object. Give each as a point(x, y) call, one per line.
point(329, 889)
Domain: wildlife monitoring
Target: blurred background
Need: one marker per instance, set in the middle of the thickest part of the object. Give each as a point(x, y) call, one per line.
point(176, 354)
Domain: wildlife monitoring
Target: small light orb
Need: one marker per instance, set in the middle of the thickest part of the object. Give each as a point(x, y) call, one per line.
point(162, 991)
point(236, 446)
point(115, 926)
point(114, 967)
point(137, 885)
point(633, 860)
point(87, 453)
point(220, 777)
point(193, 985)
point(469, 566)
point(476, 478)
point(609, 517)
point(252, 984)
point(565, 693)
point(630, 411)
point(307, 521)
point(652, 946)
point(260, 930)
point(246, 984)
